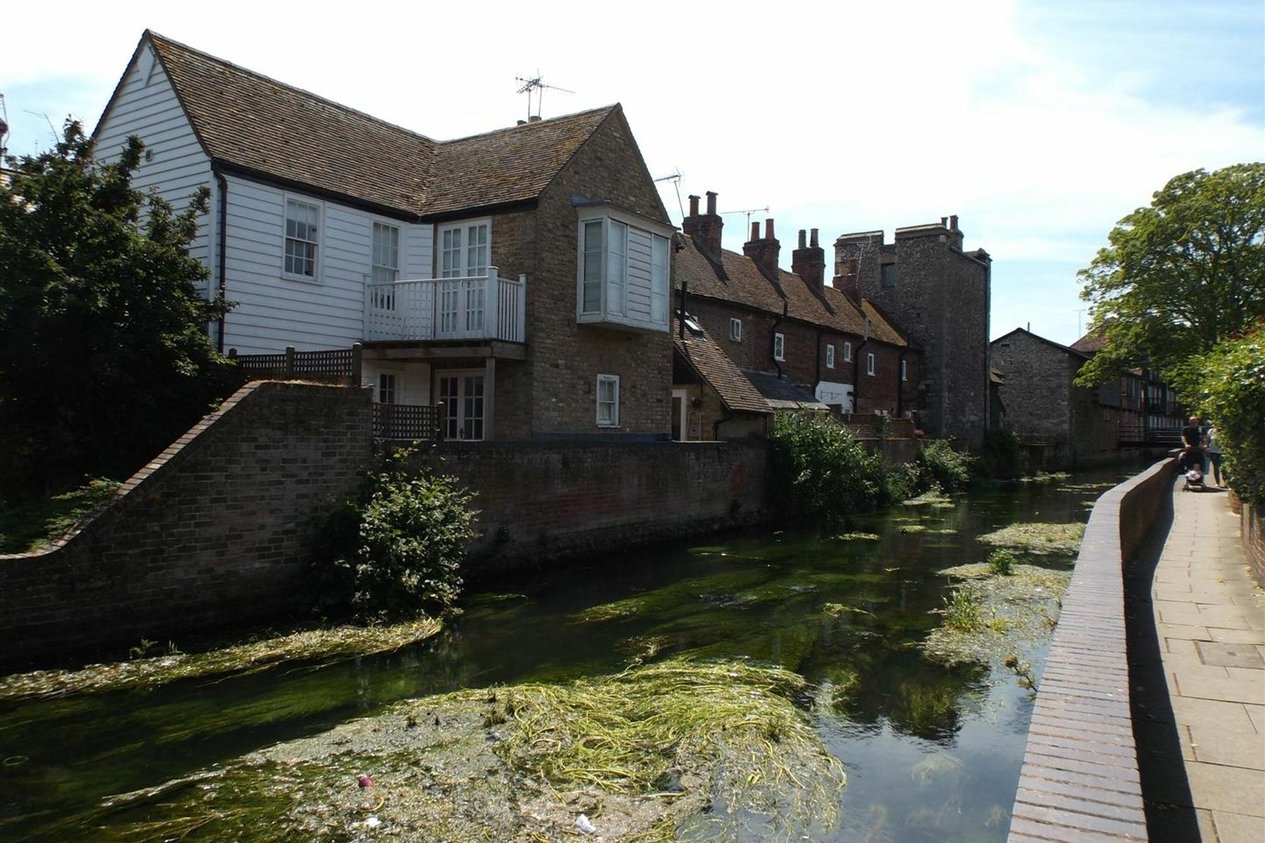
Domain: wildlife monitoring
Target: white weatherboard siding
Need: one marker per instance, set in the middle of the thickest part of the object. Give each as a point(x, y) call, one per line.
point(146, 106)
point(274, 311)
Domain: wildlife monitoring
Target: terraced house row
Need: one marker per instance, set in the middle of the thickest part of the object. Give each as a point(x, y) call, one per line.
point(528, 282)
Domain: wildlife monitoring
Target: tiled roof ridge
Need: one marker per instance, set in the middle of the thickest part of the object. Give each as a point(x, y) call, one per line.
point(159, 39)
point(552, 121)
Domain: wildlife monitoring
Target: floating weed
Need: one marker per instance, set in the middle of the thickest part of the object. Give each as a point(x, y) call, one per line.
point(1038, 538)
point(1043, 477)
point(933, 497)
point(938, 763)
point(858, 537)
point(315, 645)
point(838, 610)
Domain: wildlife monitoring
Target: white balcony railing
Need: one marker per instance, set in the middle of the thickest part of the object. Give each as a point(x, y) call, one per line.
point(476, 308)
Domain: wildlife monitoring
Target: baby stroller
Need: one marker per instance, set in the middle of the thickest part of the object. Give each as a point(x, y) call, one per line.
point(1192, 464)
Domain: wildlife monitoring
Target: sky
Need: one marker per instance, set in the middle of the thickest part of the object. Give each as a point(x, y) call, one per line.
point(1040, 123)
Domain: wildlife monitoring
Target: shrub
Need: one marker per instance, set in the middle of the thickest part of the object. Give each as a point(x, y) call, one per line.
point(999, 455)
point(819, 473)
point(940, 465)
point(1001, 562)
point(407, 537)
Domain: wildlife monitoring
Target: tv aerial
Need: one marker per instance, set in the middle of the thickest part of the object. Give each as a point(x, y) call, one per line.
point(537, 83)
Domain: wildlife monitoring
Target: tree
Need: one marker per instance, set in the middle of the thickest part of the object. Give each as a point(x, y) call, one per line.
point(1181, 275)
point(104, 355)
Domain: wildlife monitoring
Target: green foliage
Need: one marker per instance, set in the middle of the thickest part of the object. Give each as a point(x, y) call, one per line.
point(819, 473)
point(410, 534)
point(1181, 275)
point(940, 466)
point(1001, 562)
point(999, 457)
point(962, 611)
point(34, 524)
point(1227, 384)
point(104, 355)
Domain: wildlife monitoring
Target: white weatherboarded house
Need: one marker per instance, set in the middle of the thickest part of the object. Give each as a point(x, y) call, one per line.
point(328, 227)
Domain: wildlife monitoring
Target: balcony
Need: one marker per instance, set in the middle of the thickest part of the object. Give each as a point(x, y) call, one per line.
point(447, 309)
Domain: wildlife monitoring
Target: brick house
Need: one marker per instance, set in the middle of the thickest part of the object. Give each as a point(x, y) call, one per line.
point(939, 295)
point(802, 342)
point(519, 277)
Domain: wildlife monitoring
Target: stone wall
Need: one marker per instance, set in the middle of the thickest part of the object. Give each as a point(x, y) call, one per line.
point(546, 501)
point(210, 533)
point(1252, 521)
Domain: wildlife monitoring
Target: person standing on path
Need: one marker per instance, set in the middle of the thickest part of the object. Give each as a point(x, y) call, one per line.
point(1213, 450)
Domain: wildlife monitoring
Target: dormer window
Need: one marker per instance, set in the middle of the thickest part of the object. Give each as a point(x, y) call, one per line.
point(623, 270)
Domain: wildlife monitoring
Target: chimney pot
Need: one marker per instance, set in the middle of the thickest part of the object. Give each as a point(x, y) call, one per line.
point(813, 240)
point(755, 231)
point(944, 222)
point(953, 222)
point(803, 241)
point(768, 229)
point(711, 201)
point(693, 206)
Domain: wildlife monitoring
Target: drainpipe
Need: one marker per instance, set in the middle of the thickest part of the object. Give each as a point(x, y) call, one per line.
point(223, 249)
point(900, 386)
point(856, 368)
point(772, 339)
point(817, 366)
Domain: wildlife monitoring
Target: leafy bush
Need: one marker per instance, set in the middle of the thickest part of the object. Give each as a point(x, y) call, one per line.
point(403, 545)
point(819, 473)
point(941, 466)
point(999, 455)
point(1227, 384)
point(1001, 562)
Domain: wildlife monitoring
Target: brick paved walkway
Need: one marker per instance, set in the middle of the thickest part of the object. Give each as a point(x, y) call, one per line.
point(1210, 622)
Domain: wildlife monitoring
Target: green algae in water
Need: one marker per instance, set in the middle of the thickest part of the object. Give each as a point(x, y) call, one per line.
point(646, 753)
point(858, 537)
point(1038, 538)
point(308, 646)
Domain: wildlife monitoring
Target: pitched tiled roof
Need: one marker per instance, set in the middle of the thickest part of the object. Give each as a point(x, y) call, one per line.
point(264, 126)
point(257, 124)
point(508, 165)
point(743, 283)
point(781, 394)
point(714, 366)
point(1091, 343)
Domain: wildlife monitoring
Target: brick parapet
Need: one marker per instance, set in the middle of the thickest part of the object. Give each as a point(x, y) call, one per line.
point(1080, 779)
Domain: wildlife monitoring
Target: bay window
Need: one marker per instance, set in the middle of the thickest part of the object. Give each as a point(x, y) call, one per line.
point(623, 271)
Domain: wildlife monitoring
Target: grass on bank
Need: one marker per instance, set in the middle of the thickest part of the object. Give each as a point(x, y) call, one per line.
point(676, 750)
point(307, 646)
point(33, 526)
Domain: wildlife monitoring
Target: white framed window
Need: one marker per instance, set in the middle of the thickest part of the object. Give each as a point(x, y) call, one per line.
point(735, 329)
point(302, 239)
point(608, 400)
point(623, 270)
point(830, 356)
point(386, 388)
point(385, 258)
point(462, 395)
point(847, 352)
point(904, 370)
point(779, 347)
point(869, 363)
point(465, 249)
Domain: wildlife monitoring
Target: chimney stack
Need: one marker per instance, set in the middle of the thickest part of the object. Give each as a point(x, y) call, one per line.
point(763, 251)
point(809, 261)
point(705, 229)
point(955, 234)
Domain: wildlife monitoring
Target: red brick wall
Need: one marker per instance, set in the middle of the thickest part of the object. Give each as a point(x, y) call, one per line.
point(210, 533)
point(543, 501)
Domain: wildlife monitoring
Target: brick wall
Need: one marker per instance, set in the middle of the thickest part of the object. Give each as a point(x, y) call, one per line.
point(210, 533)
point(1252, 528)
point(544, 501)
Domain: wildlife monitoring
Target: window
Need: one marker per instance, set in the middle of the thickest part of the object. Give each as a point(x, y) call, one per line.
point(735, 330)
point(462, 397)
point(386, 388)
point(623, 272)
point(386, 253)
point(904, 370)
point(608, 400)
point(847, 352)
point(779, 347)
point(302, 226)
point(869, 363)
point(830, 356)
point(887, 275)
point(464, 249)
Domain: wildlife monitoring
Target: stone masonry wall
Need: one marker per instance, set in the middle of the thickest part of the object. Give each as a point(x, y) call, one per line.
point(1036, 391)
point(541, 502)
point(210, 533)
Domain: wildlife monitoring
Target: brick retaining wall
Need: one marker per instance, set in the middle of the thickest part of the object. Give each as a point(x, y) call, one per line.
point(210, 533)
point(1080, 779)
point(1252, 528)
point(544, 501)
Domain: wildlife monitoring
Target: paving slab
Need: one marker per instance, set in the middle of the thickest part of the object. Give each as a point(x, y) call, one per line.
point(1236, 828)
